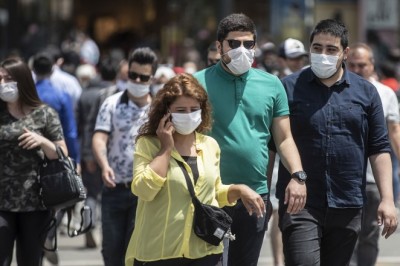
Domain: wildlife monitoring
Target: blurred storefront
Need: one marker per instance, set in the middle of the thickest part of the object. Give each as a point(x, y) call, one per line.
point(175, 28)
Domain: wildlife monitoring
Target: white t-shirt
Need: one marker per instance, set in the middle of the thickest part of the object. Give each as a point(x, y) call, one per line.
point(390, 110)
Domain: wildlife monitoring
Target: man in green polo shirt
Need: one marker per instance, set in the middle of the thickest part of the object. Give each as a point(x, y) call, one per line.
point(247, 104)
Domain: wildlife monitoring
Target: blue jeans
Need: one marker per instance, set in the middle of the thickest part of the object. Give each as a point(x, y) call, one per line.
point(118, 211)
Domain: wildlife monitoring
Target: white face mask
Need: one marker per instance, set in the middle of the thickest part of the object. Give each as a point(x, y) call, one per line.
point(324, 66)
point(241, 60)
point(186, 123)
point(9, 91)
point(155, 88)
point(121, 84)
point(137, 90)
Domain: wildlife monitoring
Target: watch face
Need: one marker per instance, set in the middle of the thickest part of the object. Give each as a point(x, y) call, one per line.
point(302, 176)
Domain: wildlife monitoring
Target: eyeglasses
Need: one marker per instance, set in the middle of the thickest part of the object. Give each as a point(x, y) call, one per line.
point(236, 44)
point(143, 78)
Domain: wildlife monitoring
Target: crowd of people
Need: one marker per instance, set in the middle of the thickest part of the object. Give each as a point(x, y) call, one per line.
point(308, 138)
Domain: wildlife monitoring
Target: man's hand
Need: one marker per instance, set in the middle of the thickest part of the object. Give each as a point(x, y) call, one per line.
point(295, 196)
point(387, 215)
point(107, 174)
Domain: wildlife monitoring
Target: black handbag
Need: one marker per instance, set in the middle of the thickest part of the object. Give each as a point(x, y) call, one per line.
point(210, 223)
point(61, 187)
point(60, 184)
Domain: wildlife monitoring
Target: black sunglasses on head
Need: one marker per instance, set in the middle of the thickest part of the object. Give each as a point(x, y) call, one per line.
point(143, 78)
point(236, 44)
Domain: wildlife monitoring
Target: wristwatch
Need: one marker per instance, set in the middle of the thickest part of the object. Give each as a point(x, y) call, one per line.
point(300, 175)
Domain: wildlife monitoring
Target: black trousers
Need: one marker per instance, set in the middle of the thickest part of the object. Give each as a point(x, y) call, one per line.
point(26, 228)
point(249, 232)
point(323, 237)
point(210, 260)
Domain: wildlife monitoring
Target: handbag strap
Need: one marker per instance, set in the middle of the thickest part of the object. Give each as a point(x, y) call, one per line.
point(60, 152)
point(81, 229)
point(62, 156)
point(53, 224)
point(187, 178)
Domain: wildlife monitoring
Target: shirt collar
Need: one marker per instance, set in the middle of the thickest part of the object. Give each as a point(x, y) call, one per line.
point(225, 74)
point(343, 80)
point(124, 97)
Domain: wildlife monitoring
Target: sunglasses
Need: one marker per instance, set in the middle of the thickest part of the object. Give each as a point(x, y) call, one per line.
point(236, 44)
point(143, 78)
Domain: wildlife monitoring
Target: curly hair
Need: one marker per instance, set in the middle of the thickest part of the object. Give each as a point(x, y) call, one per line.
point(181, 85)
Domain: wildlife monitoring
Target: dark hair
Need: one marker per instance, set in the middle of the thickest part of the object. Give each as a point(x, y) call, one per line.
point(333, 27)
point(53, 51)
point(235, 22)
point(108, 68)
point(42, 64)
point(144, 56)
point(20, 72)
point(181, 85)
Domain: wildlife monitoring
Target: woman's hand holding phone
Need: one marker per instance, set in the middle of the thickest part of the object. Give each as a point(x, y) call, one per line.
point(164, 132)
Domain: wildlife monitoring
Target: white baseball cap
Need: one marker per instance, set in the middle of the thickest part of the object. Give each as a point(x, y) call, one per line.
point(292, 48)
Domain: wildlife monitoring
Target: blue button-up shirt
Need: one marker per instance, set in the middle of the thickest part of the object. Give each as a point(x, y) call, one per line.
point(62, 103)
point(335, 129)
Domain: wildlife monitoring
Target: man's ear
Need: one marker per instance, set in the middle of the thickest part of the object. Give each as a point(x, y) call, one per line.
point(219, 47)
point(346, 53)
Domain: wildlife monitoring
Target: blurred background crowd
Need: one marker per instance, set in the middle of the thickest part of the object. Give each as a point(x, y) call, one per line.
point(181, 30)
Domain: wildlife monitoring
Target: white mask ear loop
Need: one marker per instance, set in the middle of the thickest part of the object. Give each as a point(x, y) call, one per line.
point(223, 54)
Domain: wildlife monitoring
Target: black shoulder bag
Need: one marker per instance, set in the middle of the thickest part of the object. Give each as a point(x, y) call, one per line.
point(60, 188)
point(210, 223)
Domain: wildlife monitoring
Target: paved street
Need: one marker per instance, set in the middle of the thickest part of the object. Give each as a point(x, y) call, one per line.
point(72, 252)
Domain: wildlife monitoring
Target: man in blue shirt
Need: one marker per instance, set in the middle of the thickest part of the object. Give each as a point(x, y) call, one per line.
point(57, 99)
point(337, 122)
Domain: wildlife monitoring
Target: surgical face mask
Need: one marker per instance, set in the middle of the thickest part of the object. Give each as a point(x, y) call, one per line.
point(186, 123)
point(324, 66)
point(137, 90)
point(155, 88)
point(9, 91)
point(122, 84)
point(241, 60)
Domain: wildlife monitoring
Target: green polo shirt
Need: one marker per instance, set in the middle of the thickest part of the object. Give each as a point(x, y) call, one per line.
point(243, 109)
